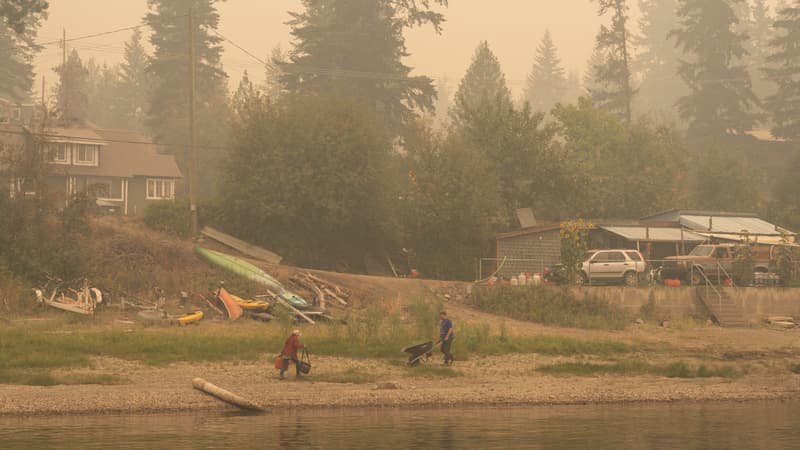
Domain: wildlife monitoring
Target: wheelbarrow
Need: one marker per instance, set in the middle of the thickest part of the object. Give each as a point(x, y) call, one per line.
point(419, 352)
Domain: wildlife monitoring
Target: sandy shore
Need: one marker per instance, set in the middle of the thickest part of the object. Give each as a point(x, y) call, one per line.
point(510, 380)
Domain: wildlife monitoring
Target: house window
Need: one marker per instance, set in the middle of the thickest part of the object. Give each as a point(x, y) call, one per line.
point(85, 155)
point(160, 189)
point(61, 153)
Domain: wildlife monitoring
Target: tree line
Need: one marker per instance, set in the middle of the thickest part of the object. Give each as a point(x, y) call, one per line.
point(345, 155)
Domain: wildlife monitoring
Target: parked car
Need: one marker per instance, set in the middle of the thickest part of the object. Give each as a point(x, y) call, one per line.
point(715, 261)
point(608, 266)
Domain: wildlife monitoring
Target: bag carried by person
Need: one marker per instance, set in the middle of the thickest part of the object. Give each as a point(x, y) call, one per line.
point(305, 363)
point(279, 362)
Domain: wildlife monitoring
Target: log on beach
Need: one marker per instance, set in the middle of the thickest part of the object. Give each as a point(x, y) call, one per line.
point(225, 396)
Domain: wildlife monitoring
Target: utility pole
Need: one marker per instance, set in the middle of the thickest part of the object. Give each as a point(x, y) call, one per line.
point(64, 77)
point(192, 150)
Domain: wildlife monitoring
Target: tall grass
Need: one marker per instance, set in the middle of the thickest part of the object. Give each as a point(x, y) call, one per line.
point(550, 306)
point(33, 352)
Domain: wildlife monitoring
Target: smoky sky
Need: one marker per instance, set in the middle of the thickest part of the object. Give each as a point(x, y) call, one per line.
point(513, 29)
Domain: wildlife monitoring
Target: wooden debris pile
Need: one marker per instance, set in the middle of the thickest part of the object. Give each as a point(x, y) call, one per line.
point(321, 289)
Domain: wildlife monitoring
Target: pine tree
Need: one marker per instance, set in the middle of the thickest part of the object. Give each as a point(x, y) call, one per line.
point(784, 70)
point(103, 93)
point(355, 48)
point(72, 91)
point(613, 89)
point(168, 112)
point(547, 83)
point(574, 90)
point(596, 61)
point(23, 16)
point(135, 82)
point(484, 85)
point(274, 86)
point(19, 22)
point(245, 93)
point(721, 96)
point(657, 61)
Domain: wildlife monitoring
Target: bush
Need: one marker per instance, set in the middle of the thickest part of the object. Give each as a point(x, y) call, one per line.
point(172, 217)
point(550, 306)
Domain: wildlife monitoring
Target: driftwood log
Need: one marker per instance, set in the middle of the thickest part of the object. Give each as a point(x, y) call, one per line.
point(225, 396)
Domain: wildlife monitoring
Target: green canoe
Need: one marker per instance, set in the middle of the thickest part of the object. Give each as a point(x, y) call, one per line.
point(245, 269)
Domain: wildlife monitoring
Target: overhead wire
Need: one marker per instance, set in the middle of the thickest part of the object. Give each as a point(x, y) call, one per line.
point(103, 140)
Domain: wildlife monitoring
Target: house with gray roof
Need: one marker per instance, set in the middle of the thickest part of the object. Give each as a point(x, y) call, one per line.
point(121, 170)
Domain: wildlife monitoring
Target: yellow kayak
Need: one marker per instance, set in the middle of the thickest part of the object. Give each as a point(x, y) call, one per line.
point(251, 305)
point(190, 318)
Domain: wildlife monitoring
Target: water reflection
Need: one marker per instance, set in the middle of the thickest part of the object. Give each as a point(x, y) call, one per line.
point(762, 425)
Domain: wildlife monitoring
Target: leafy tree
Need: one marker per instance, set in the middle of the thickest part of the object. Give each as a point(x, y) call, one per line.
point(721, 96)
point(657, 61)
point(784, 71)
point(19, 22)
point(306, 176)
point(613, 85)
point(168, 113)
point(355, 48)
point(23, 15)
point(449, 204)
point(484, 85)
point(725, 183)
point(547, 81)
point(602, 153)
point(135, 83)
point(72, 90)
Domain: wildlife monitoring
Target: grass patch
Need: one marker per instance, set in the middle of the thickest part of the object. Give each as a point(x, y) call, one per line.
point(549, 306)
point(351, 375)
point(795, 368)
point(635, 367)
point(425, 371)
point(43, 378)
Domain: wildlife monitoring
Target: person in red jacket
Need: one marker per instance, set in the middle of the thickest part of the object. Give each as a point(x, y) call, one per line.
point(289, 353)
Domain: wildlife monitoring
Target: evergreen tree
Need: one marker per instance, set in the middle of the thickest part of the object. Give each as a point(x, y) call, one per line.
point(784, 70)
point(274, 85)
point(244, 95)
point(355, 48)
point(19, 22)
point(23, 16)
point(103, 92)
point(596, 61)
point(484, 85)
point(72, 91)
point(574, 90)
point(613, 88)
point(721, 96)
point(135, 82)
point(657, 61)
point(168, 112)
point(547, 81)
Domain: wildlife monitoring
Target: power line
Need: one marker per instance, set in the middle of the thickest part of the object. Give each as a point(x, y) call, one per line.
point(101, 140)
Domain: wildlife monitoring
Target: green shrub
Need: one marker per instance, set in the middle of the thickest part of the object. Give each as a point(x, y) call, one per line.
point(549, 306)
point(171, 217)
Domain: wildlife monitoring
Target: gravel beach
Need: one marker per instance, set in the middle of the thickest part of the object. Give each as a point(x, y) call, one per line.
point(510, 380)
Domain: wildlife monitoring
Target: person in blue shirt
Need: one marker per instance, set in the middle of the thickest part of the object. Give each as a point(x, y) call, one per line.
point(446, 336)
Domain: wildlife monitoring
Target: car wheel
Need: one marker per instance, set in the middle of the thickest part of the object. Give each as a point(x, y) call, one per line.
point(631, 279)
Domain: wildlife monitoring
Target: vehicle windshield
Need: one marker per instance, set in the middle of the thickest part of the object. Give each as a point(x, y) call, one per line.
point(702, 250)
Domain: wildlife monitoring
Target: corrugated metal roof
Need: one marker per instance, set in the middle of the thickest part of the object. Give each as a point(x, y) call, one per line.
point(729, 225)
point(654, 234)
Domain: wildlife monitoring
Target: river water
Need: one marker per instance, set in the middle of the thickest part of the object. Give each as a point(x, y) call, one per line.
point(759, 425)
